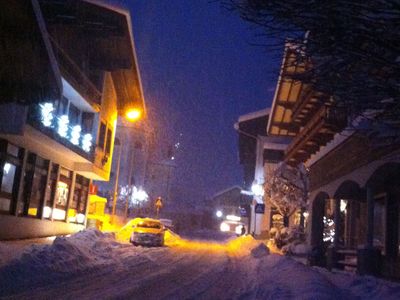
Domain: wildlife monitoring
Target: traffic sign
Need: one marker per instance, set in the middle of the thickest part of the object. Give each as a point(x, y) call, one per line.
point(159, 203)
point(259, 208)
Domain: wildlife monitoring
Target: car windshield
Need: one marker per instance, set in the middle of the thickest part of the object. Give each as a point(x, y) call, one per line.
point(149, 225)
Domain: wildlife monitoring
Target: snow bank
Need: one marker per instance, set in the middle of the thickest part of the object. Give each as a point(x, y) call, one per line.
point(171, 238)
point(260, 251)
point(44, 264)
point(247, 245)
point(362, 287)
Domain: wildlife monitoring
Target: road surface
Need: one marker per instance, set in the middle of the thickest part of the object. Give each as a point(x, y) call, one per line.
point(92, 265)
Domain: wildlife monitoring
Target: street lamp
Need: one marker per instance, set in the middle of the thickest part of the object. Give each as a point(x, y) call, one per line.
point(116, 143)
point(257, 189)
point(132, 115)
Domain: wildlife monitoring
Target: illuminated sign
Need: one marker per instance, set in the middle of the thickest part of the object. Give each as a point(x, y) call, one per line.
point(232, 218)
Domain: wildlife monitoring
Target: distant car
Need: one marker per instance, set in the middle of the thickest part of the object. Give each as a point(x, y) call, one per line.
point(147, 232)
point(233, 226)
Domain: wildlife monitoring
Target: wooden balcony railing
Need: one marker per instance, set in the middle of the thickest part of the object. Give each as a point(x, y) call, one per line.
point(317, 132)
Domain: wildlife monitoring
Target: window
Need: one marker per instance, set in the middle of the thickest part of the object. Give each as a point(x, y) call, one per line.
point(102, 135)
point(38, 188)
point(12, 150)
point(8, 177)
point(380, 223)
point(273, 156)
point(62, 106)
point(87, 122)
point(7, 184)
point(74, 114)
point(108, 143)
point(34, 185)
point(50, 191)
point(81, 193)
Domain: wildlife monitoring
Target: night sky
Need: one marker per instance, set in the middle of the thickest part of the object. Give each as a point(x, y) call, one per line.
point(199, 74)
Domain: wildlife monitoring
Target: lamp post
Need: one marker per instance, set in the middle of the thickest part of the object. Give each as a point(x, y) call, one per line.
point(131, 115)
point(257, 189)
point(115, 195)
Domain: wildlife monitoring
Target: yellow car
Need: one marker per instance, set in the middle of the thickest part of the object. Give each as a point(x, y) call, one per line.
point(147, 232)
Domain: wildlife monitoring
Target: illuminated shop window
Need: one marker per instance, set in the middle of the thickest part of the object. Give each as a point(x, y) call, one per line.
point(62, 194)
point(8, 178)
point(7, 186)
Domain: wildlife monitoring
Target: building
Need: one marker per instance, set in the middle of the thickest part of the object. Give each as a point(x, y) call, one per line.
point(229, 202)
point(68, 70)
point(259, 155)
point(354, 196)
point(133, 150)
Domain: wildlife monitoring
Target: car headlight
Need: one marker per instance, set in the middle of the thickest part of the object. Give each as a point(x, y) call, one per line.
point(224, 227)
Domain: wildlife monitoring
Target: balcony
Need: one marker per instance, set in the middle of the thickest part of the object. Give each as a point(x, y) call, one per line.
point(61, 133)
point(318, 131)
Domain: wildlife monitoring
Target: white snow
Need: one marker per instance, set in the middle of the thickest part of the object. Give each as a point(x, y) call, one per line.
point(91, 265)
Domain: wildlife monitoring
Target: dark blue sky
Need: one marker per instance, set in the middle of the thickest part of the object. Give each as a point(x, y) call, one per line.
point(199, 74)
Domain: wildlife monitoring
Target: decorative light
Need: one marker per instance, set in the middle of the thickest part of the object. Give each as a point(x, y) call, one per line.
point(58, 214)
point(219, 213)
point(47, 113)
point(75, 134)
point(87, 142)
point(173, 158)
point(329, 230)
point(343, 205)
point(47, 212)
point(6, 168)
point(224, 227)
point(63, 122)
point(80, 218)
point(124, 190)
point(138, 195)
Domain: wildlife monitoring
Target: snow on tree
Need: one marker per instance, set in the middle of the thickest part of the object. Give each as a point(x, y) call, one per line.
point(350, 47)
point(287, 189)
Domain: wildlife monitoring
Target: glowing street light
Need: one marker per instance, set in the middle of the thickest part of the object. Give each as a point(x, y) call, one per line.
point(218, 213)
point(257, 190)
point(133, 114)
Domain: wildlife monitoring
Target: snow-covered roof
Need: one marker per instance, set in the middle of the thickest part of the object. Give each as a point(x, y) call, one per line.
point(254, 115)
point(226, 190)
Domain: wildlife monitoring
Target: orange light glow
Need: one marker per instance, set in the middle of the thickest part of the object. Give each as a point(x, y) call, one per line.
point(133, 114)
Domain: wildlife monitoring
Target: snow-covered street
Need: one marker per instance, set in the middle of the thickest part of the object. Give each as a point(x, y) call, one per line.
point(93, 265)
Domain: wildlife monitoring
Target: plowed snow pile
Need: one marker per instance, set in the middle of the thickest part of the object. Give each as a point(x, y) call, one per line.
point(67, 256)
